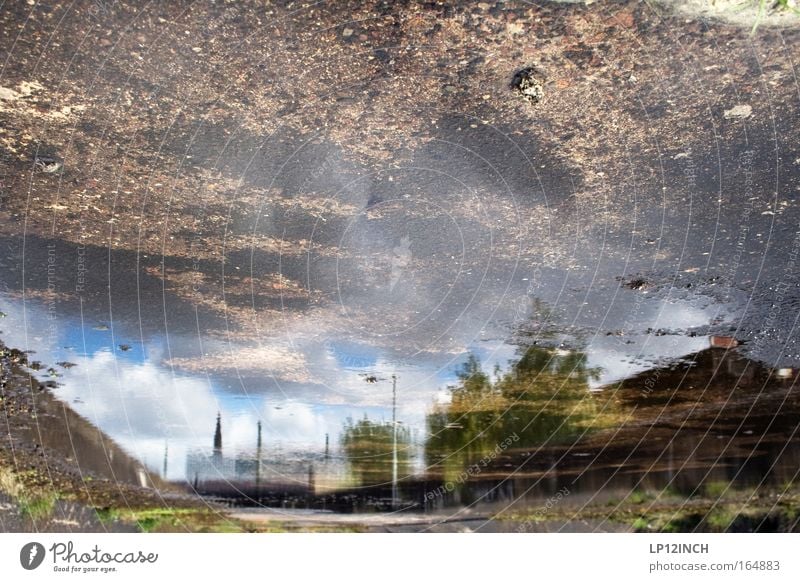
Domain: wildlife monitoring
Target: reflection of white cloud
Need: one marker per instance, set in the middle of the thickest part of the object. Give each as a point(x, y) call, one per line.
point(295, 421)
point(680, 315)
point(620, 357)
point(146, 408)
point(141, 405)
point(120, 393)
point(279, 361)
point(619, 360)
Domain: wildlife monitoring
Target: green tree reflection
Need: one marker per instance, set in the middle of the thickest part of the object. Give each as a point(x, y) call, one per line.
point(368, 445)
point(544, 399)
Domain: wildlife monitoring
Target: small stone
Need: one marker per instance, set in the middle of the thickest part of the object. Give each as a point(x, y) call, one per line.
point(514, 28)
point(7, 94)
point(625, 19)
point(738, 112)
point(347, 32)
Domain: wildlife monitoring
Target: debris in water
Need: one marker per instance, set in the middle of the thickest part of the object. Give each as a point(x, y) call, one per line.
point(527, 85)
point(637, 284)
point(124, 347)
point(47, 164)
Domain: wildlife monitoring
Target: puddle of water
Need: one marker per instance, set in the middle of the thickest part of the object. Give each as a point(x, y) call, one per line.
point(599, 413)
point(401, 338)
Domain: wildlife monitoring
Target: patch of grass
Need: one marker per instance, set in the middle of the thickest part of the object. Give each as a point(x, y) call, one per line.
point(33, 503)
point(680, 522)
point(790, 512)
point(537, 516)
point(637, 497)
point(674, 526)
point(776, 5)
point(670, 511)
point(658, 522)
point(9, 483)
point(716, 489)
point(38, 507)
point(720, 519)
point(783, 5)
point(207, 521)
point(172, 519)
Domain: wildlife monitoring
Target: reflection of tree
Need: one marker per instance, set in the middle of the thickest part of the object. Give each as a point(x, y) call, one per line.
point(544, 399)
point(368, 448)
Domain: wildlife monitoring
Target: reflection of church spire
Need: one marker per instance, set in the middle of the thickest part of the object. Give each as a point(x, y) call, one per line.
point(218, 437)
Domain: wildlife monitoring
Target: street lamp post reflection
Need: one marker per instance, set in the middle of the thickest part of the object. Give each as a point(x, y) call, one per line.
point(394, 442)
point(374, 379)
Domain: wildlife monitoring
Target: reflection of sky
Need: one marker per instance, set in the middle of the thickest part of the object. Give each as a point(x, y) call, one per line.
point(619, 357)
point(147, 406)
point(618, 360)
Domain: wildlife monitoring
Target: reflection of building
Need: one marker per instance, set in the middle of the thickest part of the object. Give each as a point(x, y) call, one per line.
point(218, 436)
point(251, 472)
point(201, 467)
